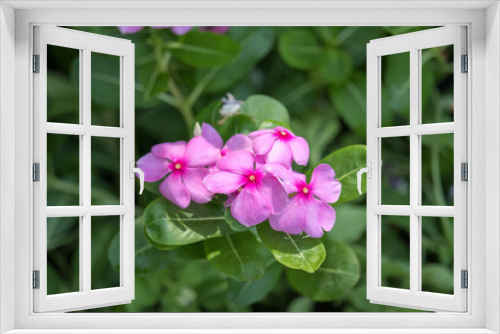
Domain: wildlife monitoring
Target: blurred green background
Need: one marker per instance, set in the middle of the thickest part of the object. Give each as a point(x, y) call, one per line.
point(319, 74)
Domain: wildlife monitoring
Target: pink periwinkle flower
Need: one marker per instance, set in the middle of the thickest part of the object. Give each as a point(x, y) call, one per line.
point(280, 145)
point(238, 142)
point(254, 194)
point(177, 30)
point(185, 165)
point(308, 210)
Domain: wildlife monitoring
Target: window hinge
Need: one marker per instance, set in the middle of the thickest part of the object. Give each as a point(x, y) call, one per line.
point(464, 171)
point(465, 279)
point(465, 64)
point(36, 279)
point(36, 63)
point(36, 172)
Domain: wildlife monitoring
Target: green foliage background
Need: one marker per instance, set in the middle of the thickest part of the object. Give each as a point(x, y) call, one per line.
point(319, 75)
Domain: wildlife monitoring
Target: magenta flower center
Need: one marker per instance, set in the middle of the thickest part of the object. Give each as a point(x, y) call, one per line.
point(252, 177)
point(283, 134)
point(305, 190)
point(177, 166)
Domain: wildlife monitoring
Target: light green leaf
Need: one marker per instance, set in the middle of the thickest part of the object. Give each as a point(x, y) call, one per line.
point(336, 67)
point(165, 224)
point(204, 49)
point(350, 224)
point(247, 293)
point(293, 251)
point(270, 124)
point(239, 256)
point(337, 275)
point(300, 49)
point(262, 108)
point(346, 163)
point(256, 42)
point(437, 278)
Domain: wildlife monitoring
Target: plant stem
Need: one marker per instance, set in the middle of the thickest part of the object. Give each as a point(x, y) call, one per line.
point(184, 108)
point(195, 94)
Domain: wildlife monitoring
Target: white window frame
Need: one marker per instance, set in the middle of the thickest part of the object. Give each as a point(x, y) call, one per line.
point(123, 50)
point(16, 21)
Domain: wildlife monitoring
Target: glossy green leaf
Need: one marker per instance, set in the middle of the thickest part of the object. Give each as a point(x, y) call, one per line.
point(256, 43)
point(271, 124)
point(247, 293)
point(336, 276)
point(300, 49)
point(346, 163)
point(204, 49)
point(350, 102)
point(233, 223)
point(239, 256)
point(293, 251)
point(350, 224)
point(336, 67)
point(262, 108)
point(166, 224)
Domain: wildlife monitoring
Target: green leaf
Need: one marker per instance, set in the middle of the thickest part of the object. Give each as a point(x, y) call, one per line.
point(239, 256)
point(301, 304)
point(247, 293)
point(300, 49)
point(153, 80)
point(350, 224)
point(350, 102)
point(238, 123)
point(262, 108)
point(204, 49)
point(233, 223)
point(270, 124)
point(256, 43)
point(165, 224)
point(293, 251)
point(346, 163)
point(437, 278)
point(337, 275)
point(336, 67)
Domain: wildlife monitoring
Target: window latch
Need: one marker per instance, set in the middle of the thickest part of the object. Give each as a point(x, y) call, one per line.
point(134, 170)
point(368, 171)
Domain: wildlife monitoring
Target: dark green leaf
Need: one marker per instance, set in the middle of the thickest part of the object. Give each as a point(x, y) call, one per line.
point(233, 223)
point(239, 256)
point(301, 304)
point(336, 67)
point(350, 101)
point(262, 108)
point(168, 225)
point(300, 49)
point(247, 293)
point(337, 275)
point(256, 42)
point(437, 278)
point(204, 49)
point(293, 251)
point(346, 163)
point(153, 80)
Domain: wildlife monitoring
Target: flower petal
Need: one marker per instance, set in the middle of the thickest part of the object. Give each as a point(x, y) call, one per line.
point(323, 184)
point(250, 207)
point(260, 133)
point(239, 162)
point(200, 153)
point(274, 192)
point(287, 176)
point(280, 153)
point(180, 30)
point(263, 144)
point(173, 190)
point(300, 150)
point(171, 151)
point(129, 29)
point(239, 142)
point(321, 216)
point(293, 219)
point(219, 30)
point(211, 135)
point(222, 182)
point(154, 168)
point(193, 180)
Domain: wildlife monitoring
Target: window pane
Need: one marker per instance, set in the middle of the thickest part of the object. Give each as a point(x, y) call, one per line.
point(105, 171)
point(63, 242)
point(395, 89)
point(63, 170)
point(395, 171)
point(437, 169)
point(395, 232)
point(103, 229)
point(105, 89)
point(63, 85)
point(437, 254)
point(437, 84)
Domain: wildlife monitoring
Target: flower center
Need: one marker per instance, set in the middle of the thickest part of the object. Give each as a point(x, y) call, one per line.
point(252, 178)
point(305, 190)
point(177, 166)
point(283, 133)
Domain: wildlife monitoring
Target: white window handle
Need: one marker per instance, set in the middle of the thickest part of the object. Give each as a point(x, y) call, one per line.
point(368, 171)
point(139, 171)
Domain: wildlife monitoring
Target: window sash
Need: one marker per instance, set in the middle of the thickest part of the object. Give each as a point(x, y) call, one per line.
point(414, 43)
point(85, 298)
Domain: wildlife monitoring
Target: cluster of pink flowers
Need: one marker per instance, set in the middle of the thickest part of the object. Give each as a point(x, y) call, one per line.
point(255, 173)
